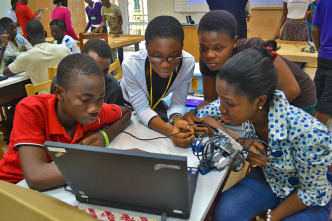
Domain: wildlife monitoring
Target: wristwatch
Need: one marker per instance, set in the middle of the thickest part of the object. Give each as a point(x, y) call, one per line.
point(2, 48)
point(171, 120)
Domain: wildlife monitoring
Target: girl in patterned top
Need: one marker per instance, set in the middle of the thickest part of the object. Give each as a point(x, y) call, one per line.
point(291, 178)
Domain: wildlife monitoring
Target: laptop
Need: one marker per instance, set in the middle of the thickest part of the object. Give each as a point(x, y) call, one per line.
point(130, 180)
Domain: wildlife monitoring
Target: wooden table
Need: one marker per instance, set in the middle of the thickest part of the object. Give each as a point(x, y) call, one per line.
point(13, 88)
point(115, 43)
point(292, 51)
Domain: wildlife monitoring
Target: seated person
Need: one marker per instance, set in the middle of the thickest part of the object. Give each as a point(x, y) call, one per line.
point(102, 53)
point(4, 38)
point(37, 60)
point(152, 74)
point(75, 114)
point(17, 43)
point(58, 30)
point(291, 173)
point(218, 43)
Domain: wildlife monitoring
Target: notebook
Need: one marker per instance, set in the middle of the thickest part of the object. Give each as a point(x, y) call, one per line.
point(131, 180)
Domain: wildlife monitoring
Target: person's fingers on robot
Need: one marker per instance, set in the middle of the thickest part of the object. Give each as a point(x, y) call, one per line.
point(254, 159)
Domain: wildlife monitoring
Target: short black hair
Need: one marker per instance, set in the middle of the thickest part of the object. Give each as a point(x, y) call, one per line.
point(60, 23)
point(12, 2)
point(64, 2)
point(5, 22)
point(255, 77)
point(164, 27)
point(34, 29)
point(2, 30)
point(76, 64)
point(99, 46)
point(218, 21)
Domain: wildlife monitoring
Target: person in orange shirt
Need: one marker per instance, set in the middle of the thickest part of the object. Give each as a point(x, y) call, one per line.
point(24, 14)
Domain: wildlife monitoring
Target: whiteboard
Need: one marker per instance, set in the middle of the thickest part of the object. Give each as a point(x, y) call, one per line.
point(266, 3)
point(186, 6)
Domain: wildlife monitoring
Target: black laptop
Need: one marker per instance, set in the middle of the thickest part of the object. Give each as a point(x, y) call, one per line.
point(130, 180)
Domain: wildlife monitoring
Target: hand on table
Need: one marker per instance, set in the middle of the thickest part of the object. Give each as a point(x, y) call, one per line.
point(4, 40)
point(184, 138)
point(23, 48)
point(95, 31)
point(85, 31)
point(193, 119)
point(116, 35)
point(93, 139)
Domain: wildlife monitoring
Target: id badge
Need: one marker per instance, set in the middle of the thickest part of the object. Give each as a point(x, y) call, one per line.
point(93, 18)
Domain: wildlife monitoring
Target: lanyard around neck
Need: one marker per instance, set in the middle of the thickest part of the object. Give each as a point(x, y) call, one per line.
point(109, 16)
point(169, 81)
point(14, 44)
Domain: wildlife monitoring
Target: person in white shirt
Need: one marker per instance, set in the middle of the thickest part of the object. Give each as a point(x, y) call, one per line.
point(11, 14)
point(58, 30)
point(296, 27)
point(36, 61)
point(152, 74)
point(17, 43)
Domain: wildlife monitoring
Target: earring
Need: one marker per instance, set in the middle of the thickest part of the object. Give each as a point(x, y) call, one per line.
point(260, 108)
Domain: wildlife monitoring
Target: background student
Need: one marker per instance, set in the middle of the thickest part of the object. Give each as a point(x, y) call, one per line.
point(93, 12)
point(4, 39)
point(11, 14)
point(17, 43)
point(58, 29)
point(218, 43)
point(240, 9)
point(75, 114)
point(152, 74)
point(291, 179)
point(62, 12)
point(102, 53)
point(322, 36)
point(112, 15)
point(24, 14)
point(37, 60)
point(296, 27)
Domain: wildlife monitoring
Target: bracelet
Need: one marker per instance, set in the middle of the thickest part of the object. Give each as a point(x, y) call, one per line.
point(268, 215)
point(107, 142)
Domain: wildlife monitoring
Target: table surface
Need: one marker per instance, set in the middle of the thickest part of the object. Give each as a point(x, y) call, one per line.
point(14, 79)
point(292, 51)
point(121, 41)
point(207, 185)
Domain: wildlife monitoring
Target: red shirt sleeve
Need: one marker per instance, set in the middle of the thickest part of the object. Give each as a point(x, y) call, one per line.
point(110, 113)
point(70, 30)
point(29, 124)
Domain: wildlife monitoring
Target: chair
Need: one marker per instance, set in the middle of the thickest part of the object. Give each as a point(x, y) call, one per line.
point(1, 152)
point(87, 36)
point(33, 89)
point(116, 65)
point(52, 72)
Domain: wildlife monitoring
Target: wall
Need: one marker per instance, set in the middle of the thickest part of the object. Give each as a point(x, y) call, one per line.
point(4, 7)
point(166, 7)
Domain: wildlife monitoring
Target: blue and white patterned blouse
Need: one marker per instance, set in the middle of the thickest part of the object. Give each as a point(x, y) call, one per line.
point(301, 153)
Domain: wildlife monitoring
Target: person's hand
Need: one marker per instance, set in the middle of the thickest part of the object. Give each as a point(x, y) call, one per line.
point(95, 31)
point(248, 16)
point(41, 11)
point(257, 148)
point(23, 48)
point(276, 35)
point(93, 139)
point(85, 31)
point(184, 138)
point(4, 40)
point(116, 35)
point(193, 119)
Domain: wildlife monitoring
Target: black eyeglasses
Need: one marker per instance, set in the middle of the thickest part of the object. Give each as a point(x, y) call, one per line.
point(170, 59)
